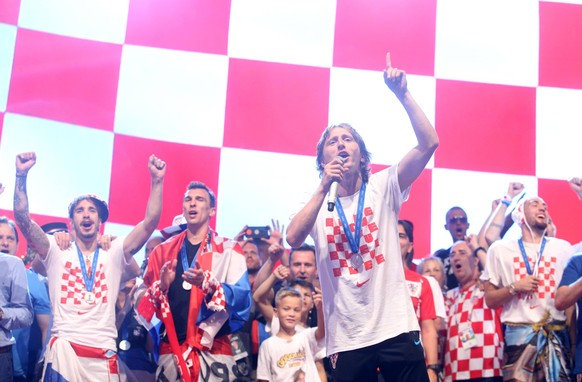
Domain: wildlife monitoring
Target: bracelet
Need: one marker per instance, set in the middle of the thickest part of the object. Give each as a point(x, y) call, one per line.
point(21, 176)
point(479, 249)
point(506, 199)
point(434, 366)
point(512, 290)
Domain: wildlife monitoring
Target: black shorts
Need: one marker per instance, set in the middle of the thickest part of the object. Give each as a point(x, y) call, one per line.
point(398, 359)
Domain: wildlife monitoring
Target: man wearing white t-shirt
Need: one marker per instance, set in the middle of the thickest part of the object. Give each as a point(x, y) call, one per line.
point(370, 321)
point(84, 280)
point(522, 276)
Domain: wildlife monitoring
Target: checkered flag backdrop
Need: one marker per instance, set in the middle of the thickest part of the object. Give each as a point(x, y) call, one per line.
point(236, 94)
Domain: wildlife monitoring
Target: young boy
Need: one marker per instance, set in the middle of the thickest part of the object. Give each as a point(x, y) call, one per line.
point(283, 355)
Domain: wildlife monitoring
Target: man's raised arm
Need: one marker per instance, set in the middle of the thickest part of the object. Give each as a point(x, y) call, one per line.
point(416, 159)
point(32, 232)
point(142, 232)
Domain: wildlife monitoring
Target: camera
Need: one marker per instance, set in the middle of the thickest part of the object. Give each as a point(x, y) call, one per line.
point(258, 233)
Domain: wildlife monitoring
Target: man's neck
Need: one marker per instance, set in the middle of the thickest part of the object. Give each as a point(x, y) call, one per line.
point(468, 284)
point(534, 236)
point(350, 185)
point(286, 333)
point(196, 233)
point(87, 245)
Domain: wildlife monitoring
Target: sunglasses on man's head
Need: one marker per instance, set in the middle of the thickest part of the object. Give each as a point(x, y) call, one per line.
point(458, 219)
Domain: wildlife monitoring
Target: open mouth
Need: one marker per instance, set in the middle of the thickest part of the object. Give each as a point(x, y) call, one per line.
point(4, 251)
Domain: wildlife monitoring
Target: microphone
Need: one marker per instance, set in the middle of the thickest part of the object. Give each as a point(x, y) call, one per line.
point(332, 196)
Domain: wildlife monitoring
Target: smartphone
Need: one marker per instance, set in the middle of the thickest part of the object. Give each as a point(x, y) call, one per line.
point(258, 233)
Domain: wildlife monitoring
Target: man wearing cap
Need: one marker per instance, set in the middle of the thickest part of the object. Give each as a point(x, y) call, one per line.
point(199, 288)
point(522, 277)
point(84, 280)
point(15, 306)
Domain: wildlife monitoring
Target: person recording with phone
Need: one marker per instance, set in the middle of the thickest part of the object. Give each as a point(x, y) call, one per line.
point(369, 317)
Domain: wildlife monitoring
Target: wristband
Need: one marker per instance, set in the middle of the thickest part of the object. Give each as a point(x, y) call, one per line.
point(479, 249)
point(506, 199)
point(434, 367)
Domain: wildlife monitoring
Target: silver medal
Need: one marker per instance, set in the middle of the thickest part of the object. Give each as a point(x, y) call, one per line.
point(89, 297)
point(356, 260)
point(186, 285)
point(125, 345)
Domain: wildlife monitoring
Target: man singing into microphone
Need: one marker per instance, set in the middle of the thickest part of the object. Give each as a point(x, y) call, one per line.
point(370, 321)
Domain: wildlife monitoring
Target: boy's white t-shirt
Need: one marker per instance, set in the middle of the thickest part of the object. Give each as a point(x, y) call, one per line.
point(74, 319)
point(280, 359)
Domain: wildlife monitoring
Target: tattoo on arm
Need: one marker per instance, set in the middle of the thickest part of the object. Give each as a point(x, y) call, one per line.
point(31, 231)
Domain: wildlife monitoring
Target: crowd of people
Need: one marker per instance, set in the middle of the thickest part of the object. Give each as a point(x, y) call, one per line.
point(354, 306)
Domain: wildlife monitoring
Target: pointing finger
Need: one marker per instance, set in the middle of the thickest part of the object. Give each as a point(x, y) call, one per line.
point(388, 62)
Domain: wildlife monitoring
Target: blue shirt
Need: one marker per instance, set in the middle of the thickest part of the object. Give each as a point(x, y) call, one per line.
point(573, 272)
point(14, 299)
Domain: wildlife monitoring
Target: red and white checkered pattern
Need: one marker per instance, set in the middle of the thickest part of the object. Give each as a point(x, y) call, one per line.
point(340, 252)
point(481, 361)
point(236, 93)
point(73, 286)
point(546, 271)
point(211, 286)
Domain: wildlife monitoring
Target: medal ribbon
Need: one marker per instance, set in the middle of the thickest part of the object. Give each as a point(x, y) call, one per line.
point(184, 256)
point(89, 282)
point(526, 260)
point(353, 240)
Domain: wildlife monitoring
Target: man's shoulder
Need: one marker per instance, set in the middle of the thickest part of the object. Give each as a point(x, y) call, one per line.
point(410, 275)
point(560, 243)
point(11, 260)
point(575, 261)
point(503, 245)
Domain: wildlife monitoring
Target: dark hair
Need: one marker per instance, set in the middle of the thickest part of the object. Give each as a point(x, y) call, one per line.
point(5, 220)
point(408, 229)
point(303, 247)
point(199, 185)
point(366, 155)
point(100, 204)
point(301, 283)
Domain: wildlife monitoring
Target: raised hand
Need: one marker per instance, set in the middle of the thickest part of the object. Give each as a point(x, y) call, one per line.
point(317, 298)
point(241, 235)
point(281, 272)
point(194, 276)
point(514, 189)
point(276, 250)
point(63, 240)
point(24, 162)
point(276, 236)
point(157, 167)
point(104, 241)
point(168, 274)
point(394, 78)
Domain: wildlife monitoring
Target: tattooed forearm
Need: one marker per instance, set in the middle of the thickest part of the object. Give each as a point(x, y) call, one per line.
point(31, 231)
